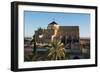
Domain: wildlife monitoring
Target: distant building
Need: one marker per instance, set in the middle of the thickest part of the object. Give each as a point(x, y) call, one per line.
point(85, 42)
point(27, 41)
point(85, 47)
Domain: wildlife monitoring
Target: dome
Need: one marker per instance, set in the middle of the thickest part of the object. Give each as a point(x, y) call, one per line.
point(53, 23)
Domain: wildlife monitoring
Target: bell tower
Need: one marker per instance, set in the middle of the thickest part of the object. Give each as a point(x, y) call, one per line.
point(53, 25)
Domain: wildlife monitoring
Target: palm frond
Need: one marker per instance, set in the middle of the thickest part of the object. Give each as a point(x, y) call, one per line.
point(57, 50)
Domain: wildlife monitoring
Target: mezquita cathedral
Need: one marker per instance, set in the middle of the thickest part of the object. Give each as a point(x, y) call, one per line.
point(76, 46)
point(67, 35)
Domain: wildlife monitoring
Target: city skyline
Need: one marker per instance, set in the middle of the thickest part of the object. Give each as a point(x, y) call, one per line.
point(34, 20)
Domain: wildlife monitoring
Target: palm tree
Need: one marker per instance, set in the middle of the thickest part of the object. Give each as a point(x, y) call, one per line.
point(56, 51)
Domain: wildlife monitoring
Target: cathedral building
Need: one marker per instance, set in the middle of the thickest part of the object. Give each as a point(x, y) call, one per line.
point(75, 46)
point(67, 34)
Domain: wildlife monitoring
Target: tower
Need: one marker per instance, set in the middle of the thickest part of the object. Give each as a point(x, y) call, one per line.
point(55, 27)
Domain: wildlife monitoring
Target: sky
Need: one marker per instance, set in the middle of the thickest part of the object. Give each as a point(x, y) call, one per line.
point(34, 20)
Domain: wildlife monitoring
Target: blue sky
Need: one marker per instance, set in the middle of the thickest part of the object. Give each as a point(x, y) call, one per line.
point(34, 20)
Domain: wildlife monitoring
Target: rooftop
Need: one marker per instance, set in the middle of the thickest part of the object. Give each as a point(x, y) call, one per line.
point(69, 27)
point(53, 23)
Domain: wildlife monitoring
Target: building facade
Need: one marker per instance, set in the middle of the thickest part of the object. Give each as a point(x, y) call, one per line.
point(69, 35)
